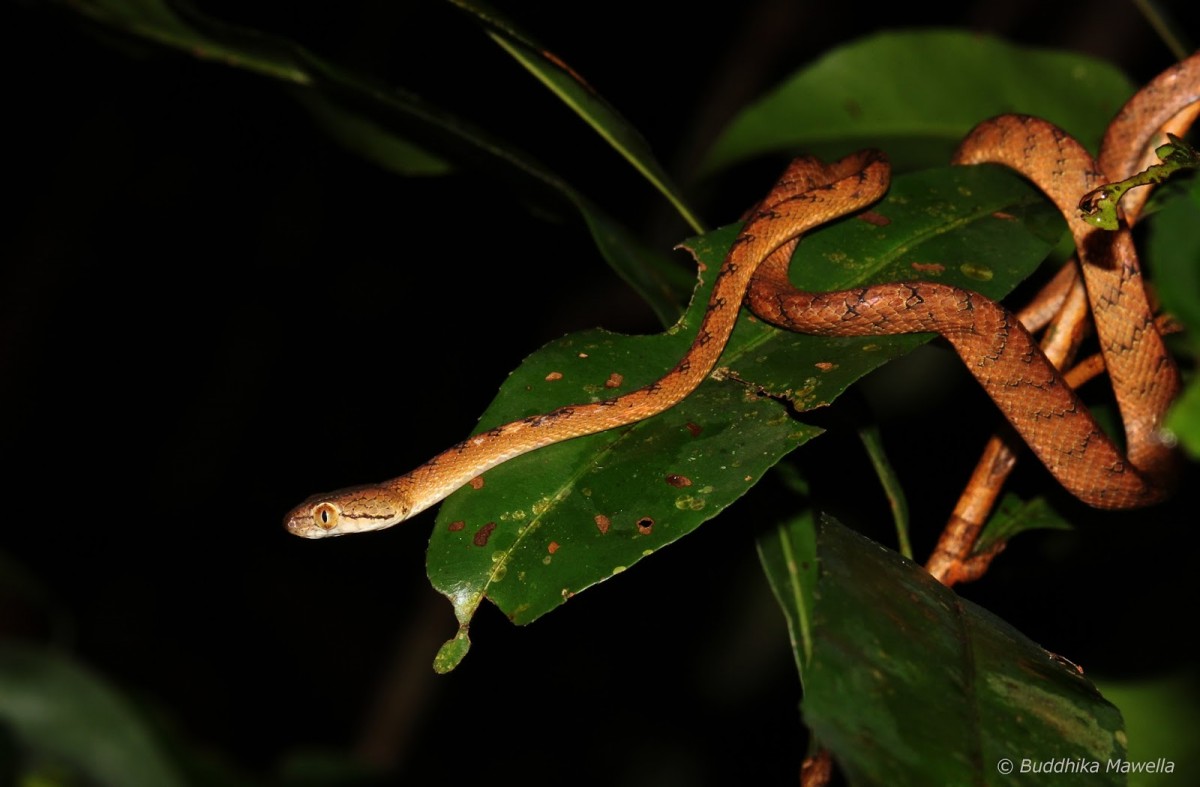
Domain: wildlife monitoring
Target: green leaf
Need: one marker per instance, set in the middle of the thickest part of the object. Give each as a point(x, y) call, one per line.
point(1183, 419)
point(529, 538)
point(391, 127)
point(365, 137)
point(872, 441)
point(1161, 715)
point(551, 523)
point(160, 21)
point(916, 94)
point(577, 94)
point(789, 558)
point(62, 713)
point(1171, 255)
point(1014, 516)
point(911, 685)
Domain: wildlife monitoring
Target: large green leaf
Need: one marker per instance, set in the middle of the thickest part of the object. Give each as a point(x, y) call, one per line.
point(528, 538)
point(911, 685)
point(917, 93)
point(67, 719)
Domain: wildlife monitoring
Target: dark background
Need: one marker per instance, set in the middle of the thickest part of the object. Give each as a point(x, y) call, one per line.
point(210, 311)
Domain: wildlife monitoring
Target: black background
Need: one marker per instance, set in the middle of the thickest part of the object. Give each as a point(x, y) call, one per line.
point(211, 311)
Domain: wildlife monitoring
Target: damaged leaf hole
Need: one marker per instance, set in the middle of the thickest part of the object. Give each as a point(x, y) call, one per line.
point(645, 525)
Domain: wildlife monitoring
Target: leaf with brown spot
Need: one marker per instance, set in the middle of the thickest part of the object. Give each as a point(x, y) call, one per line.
point(725, 438)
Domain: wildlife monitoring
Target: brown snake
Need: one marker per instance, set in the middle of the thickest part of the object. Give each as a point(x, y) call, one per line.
point(1001, 354)
point(807, 195)
point(998, 351)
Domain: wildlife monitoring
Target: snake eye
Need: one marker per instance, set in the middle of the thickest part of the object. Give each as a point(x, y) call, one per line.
point(325, 515)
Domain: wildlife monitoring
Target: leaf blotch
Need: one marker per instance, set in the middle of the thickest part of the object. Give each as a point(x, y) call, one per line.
point(483, 534)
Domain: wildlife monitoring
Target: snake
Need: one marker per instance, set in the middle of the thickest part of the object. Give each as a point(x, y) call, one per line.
point(807, 195)
point(999, 352)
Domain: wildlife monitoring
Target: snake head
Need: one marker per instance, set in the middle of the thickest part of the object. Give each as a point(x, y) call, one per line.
point(355, 510)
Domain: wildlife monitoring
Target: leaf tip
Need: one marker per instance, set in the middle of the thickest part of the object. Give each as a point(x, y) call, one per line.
point(452, 652)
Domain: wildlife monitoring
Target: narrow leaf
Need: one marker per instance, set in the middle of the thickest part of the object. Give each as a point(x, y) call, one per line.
point(789, 557)
point(577, 94)
point(872, 441)
point(365, 137)
point(160, 21)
